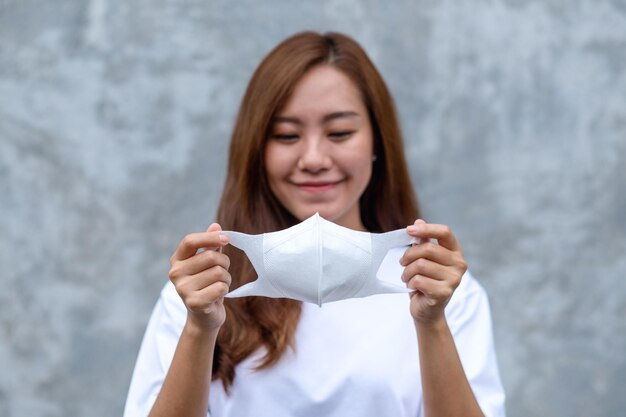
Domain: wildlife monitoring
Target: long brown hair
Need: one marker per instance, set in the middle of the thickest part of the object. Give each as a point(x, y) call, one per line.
point(248, 205)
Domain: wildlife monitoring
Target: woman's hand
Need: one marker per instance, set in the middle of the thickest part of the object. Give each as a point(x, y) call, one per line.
point(433, 270)
point(201, 276)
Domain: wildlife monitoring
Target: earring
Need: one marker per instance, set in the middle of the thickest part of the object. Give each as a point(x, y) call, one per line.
point(373, 158)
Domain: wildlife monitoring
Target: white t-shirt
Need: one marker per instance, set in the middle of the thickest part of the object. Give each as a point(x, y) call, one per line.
point(357, 357)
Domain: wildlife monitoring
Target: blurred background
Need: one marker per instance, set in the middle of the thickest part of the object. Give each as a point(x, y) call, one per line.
point(114, 125)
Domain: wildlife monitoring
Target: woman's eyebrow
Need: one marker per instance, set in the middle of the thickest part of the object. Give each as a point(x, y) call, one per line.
point(286, 119)
point(327, 118)
point(339, 114)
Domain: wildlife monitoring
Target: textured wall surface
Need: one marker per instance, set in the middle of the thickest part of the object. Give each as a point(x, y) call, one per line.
point(114, 123)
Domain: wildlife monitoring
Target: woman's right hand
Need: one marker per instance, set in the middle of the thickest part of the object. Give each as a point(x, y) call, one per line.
point(201, 277)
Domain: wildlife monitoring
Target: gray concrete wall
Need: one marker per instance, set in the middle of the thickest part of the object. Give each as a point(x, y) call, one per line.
point(114, 122)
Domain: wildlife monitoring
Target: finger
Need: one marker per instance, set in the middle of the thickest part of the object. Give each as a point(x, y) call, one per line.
point(204, 299)
point(204, 279)
point(211, 276)
point(199, 262)
point(194, 241)
point(215, 227)
point(419, 240)
point(437, 291)
point(425, 267)
point(441, 232)
point(429, 250)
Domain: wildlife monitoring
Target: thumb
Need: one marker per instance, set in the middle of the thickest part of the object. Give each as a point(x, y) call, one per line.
point(215, 227)
point(421, 239)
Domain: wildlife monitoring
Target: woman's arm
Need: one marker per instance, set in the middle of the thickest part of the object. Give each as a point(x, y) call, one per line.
point(201, 279)
point(434, 271)
point(185, 391)
point(445, 387)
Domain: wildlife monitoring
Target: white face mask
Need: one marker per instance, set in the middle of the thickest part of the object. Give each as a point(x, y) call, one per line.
point(318, 261)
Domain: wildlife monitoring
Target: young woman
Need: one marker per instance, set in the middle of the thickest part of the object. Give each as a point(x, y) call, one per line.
point(317, 132)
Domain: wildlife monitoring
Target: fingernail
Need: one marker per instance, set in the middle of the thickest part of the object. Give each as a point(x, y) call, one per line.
point(223, 238)
point(413, 229)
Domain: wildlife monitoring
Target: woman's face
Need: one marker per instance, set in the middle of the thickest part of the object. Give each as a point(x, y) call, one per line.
point(319, 153)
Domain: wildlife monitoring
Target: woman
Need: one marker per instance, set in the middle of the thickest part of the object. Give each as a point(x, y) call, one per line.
point(317, 132)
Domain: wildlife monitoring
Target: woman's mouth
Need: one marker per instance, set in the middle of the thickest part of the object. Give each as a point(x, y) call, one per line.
point(317, 186)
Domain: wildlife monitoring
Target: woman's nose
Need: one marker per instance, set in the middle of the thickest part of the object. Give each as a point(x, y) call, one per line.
point(314, 156)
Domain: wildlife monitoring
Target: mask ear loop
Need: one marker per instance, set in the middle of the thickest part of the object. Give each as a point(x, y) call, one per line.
point(252, 245)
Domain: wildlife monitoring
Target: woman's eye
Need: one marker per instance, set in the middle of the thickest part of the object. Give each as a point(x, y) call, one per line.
point(284, 136)
point(342, 134)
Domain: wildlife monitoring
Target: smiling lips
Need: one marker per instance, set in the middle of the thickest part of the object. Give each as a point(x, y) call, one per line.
point(317, 186)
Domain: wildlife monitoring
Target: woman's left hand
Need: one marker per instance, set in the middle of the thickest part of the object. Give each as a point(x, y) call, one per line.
point(433, 270)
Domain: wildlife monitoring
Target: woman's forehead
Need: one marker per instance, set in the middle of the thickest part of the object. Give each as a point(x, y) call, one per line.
point(324, 93)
